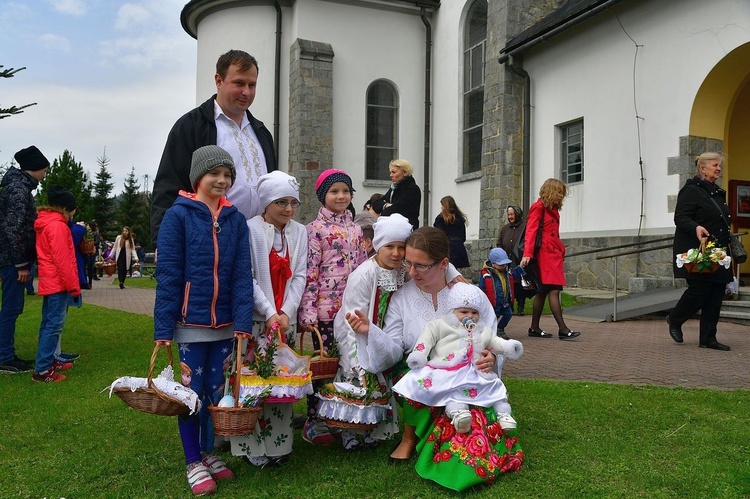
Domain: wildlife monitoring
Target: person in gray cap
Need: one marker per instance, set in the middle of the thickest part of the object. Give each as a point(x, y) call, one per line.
point(222, 120)
point(17, 251)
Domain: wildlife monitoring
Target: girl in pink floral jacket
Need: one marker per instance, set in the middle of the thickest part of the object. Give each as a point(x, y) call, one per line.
point(335, 248)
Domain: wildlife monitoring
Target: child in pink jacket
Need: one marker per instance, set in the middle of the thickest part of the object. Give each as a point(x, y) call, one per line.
point(335, 248)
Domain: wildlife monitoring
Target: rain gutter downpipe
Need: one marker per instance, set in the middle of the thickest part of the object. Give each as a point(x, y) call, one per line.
point(277, 81)
point(517, 68)
point(427, 120)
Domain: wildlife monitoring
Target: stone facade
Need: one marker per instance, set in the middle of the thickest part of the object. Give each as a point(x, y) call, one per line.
point(502, 155)
point(683, 165)
point(310, 119)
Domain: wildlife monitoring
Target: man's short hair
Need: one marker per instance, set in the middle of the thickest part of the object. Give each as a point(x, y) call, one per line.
point(239, 57)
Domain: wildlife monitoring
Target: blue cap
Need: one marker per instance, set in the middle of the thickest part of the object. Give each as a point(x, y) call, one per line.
point(499, 256)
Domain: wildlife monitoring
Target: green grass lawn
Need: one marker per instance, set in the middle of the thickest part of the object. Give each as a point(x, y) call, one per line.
point(69, 439)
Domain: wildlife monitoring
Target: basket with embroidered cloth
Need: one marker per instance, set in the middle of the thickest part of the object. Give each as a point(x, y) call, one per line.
point(270, 363)
point(359, 404)
point(162, 395)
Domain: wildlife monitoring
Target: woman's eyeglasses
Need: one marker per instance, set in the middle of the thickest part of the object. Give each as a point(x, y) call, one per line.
point(283, 204)
point(418, 266)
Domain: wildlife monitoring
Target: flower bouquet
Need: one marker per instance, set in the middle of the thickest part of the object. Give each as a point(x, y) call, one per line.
point(707, 258)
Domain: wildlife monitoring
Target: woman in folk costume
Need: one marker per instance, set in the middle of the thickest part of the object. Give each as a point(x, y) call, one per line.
point(279, 246)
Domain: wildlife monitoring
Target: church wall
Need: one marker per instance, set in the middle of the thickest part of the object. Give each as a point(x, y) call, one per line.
point(588, 73)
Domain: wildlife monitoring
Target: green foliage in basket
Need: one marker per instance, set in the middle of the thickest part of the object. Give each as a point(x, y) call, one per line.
point(367, 398)
point(259, 399)
point(334, 350)
point(705, 259)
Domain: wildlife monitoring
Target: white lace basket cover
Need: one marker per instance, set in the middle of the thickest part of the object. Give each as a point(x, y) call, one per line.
point(165, 383)
point(349, 411)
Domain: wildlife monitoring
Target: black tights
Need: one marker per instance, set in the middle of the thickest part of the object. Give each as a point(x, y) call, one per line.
point(555, 308)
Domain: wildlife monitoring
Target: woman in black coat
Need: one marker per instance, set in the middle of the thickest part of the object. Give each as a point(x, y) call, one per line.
point(453, 222)
point(511, 239)
point(701, 211)
point(404, 196)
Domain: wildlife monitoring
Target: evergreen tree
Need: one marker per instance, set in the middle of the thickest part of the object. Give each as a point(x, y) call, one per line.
point(103, 203)
point(10, 111)
point(65, 171)
point(131, 209)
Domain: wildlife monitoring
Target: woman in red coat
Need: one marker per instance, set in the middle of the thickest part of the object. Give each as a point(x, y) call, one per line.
point(548, 266)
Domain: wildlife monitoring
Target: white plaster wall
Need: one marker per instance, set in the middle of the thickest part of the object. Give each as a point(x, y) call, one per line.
point(588, 73)
point(252, 29)
point(368, 44)
point(447, 81)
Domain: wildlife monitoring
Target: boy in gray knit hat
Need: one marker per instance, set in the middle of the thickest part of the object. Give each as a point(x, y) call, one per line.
point(206, 159)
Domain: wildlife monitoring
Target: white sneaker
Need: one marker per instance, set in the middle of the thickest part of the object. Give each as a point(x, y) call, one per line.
point(506, 421)
point(462, 421)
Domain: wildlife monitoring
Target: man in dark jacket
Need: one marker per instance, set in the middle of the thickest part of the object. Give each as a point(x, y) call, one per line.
point(17, 242)
point(222, 120)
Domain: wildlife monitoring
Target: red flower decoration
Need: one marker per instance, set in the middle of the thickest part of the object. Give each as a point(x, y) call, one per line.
point(477, 445)
point(427, 382)
point(419, 347)
point(478, 420)
point(510, 442)
point(446, 455)
point(498, 460)
point(494, 432)
point(446, 429)
point(481, 471)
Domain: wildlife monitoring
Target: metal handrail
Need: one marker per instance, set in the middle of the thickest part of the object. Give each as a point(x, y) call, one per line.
point(642, 250)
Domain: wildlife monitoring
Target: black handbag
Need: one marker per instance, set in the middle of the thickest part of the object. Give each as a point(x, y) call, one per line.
point(736, 248)
point(531, 281)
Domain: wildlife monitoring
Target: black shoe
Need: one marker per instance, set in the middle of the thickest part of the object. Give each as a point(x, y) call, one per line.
point(675, 331)
point(30, 293)
point(501, 333)
point(95, 278)
point(538, 333)
point(715, 345)
point(569, 335)
point(16, 366)
point(122, 286)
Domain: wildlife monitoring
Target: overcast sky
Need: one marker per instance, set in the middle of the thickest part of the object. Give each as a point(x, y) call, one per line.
point(104, 74)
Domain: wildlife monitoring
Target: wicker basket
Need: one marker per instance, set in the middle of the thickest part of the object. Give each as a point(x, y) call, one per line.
point(321, 365)
point(150, 399)
point(110, 268)
point(693, 268)
point(237, 420)
point(345, 425)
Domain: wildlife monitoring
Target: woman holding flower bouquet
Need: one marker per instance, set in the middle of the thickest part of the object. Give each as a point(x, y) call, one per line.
point(701, 212)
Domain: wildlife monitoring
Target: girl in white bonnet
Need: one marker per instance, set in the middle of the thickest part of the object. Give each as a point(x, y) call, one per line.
point(369, 289)
point(279, 249)
point(443, 372)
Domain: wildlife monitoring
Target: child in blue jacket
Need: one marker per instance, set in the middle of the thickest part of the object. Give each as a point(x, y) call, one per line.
point(204, 295)
point(497, 283)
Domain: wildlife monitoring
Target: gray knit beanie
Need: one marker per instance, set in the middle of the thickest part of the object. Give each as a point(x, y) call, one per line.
point(206, 159)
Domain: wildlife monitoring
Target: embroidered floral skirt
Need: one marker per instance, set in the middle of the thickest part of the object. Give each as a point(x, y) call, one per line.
point(459, 461)
point(272, 436)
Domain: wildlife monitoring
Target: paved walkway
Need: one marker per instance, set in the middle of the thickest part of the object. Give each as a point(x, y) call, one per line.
point(633, 352)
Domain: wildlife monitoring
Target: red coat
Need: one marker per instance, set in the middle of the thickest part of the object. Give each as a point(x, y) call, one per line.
point(552, 252)
point(57, 268)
